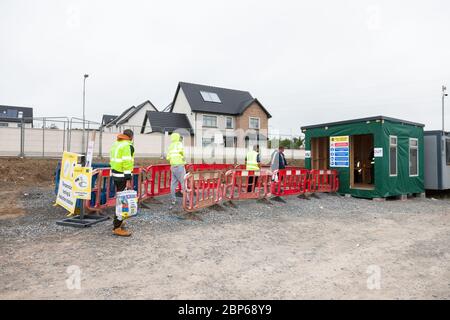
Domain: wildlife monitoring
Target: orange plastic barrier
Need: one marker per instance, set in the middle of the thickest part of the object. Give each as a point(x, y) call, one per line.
point(243, 166)
point(103, 193)
point(244, 184)
point(288, 182)
point(208, 184)
point(157, 180)
point(208, 167)
point(158, 177)
point(202, 189)
point(323, 181)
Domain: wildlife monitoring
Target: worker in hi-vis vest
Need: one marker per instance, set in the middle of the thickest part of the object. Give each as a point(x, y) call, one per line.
point(175, 156)
point(252, 163)
point(121, 159)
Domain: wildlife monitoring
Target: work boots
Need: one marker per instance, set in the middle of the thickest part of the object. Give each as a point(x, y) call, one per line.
point(121, 232)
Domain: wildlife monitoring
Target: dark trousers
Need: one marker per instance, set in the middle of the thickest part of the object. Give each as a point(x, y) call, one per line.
point(120, 184)
point(250, 183)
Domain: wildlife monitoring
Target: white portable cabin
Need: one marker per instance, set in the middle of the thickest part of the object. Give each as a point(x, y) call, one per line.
point(437, 160)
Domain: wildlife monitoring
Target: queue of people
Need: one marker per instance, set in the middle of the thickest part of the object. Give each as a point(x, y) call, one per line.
point(122, 164)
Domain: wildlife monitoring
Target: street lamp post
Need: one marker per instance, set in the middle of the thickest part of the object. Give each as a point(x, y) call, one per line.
point(84, 114)
point(444, 88)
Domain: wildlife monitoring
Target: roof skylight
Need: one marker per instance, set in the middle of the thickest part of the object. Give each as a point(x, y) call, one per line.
point(210, 96)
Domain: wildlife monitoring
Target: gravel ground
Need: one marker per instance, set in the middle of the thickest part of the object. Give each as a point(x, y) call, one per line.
point(332, 247)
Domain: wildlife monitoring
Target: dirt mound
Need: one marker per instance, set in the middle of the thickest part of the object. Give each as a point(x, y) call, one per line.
point(26, 172)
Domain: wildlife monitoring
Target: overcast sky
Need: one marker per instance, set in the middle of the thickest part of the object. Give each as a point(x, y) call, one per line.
point(307, 61)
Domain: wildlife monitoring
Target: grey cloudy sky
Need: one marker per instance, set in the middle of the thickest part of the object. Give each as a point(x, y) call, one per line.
point(306, 61)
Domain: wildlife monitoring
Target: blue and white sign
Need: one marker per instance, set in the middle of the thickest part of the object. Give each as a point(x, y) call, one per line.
point(340, 151)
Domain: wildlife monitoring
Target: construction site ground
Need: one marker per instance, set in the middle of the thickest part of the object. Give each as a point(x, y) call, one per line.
point(333, 248)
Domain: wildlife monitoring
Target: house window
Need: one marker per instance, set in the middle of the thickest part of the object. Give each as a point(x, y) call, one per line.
point(3, 124)
point(253, 123)
point(393, 143)
point(210, 96)
point(413, 157)
point(207, 142)
point(447, 154)
point(229, 122)
point(210, 121)
point(229, 142)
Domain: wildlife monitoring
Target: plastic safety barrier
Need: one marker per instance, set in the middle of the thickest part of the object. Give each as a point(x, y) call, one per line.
point(208, 167)
point(244, 184)
point(288, 182)
point(202, 189)
point(323, 181)
point(243, 166)
point(157, 180)
point(103, 193)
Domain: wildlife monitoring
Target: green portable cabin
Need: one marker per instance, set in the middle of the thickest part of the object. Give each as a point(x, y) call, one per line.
point(376, 157)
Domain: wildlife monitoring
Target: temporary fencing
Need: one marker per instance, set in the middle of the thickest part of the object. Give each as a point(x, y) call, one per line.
point(202, 189)
point(209, 167)
point(103, 194)
point(157, 180)
point(323, 181)
point(245, 184)
point(208, 184)
point(288, 182)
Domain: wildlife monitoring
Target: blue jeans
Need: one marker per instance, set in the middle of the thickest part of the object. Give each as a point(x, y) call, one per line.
point(178, 173)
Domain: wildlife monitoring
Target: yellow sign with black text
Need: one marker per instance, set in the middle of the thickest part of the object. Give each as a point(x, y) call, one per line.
point(82, 178)
point(65, 197)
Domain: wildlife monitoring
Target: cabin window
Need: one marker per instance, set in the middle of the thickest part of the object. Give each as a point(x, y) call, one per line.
point(447, 142)
point(413, 157)
point(393, 144)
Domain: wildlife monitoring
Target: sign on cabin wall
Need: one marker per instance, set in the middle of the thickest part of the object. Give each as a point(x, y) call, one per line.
point(340, 151)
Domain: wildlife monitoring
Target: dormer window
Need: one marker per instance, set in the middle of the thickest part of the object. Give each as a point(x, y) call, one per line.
point(210, 97)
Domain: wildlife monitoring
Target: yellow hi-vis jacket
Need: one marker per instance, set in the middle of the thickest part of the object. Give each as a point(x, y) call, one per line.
point(252, 161)
point(175, 154)
point(121, 159)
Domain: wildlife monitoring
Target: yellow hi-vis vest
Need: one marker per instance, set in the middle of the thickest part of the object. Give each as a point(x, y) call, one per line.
point(175, 154)
point(252, 161)
point(120, 157)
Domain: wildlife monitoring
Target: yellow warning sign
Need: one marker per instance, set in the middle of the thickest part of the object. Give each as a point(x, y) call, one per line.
point(65, 197)
point(339, 139)
point(82, 178)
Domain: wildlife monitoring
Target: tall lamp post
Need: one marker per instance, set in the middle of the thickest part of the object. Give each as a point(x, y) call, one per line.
point(83, 220)
point(444, 88)
point(83, 148)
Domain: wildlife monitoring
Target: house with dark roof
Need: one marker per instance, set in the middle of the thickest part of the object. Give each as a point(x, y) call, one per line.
point(12, 116)
point(163, 122)
point(229, 111)
point(130, 118)
point(107, 118)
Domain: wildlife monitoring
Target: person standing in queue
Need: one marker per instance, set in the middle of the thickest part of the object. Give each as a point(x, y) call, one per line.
point(277, 161)
point(175, 156)
point(252, 163)
point(122, 163)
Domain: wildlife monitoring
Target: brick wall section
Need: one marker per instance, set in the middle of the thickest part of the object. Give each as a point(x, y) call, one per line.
point(242, 122)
